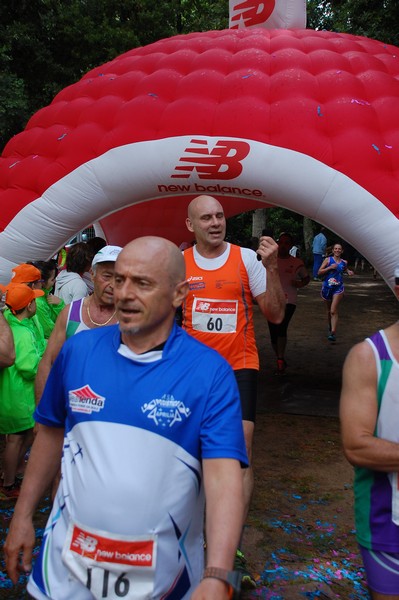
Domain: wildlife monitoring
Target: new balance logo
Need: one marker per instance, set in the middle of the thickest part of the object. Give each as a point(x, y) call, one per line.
point(86, 543)
point(203, 306)
point(222, 162)
point(250, 13)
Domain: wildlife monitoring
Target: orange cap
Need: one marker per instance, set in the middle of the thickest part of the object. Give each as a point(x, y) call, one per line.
point(25, 273)
point(18, 296)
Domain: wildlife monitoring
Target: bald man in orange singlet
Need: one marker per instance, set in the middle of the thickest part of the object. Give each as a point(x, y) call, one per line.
point(223, 280)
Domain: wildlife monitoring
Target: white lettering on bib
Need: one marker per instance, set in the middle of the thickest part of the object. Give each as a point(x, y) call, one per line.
point(111, 566)
point(215, 316)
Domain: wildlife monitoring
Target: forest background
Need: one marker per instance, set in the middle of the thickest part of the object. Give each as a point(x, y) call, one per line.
point(46, 45)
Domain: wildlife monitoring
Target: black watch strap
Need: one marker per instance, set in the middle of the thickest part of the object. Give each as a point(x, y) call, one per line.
point(232, 578)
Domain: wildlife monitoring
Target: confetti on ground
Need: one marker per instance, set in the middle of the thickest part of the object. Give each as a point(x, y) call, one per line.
point(6, 514)
point(318, 564)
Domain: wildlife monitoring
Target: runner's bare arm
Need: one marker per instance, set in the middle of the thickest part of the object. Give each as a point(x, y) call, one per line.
point(303, 277)
point(7, 350)
point(358, 414)
point(42, 467)
point(56, 339)
point(224, 495)
point(272, 302)
point(325, 267)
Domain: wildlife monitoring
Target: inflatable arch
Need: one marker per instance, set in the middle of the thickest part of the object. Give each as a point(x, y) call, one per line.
point(307, 120)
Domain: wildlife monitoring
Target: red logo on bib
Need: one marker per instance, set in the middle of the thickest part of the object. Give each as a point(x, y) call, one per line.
point(138, 553)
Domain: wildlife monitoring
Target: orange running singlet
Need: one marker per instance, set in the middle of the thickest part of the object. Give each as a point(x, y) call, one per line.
point(218, 309)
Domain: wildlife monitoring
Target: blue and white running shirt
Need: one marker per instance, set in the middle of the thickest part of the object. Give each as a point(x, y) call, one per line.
point(135, 435)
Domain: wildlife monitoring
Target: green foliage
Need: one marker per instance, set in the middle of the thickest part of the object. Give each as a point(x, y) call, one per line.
point(239, 229)
point(282, 220)
point(377, 20)
point(13, 106)
point(46, 45)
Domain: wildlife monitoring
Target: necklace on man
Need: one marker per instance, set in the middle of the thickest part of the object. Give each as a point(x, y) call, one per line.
point(94, 322)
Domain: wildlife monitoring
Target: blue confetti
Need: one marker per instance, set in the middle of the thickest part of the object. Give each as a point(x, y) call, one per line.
point(376, 148)
point(62, 136)
point(319, 113)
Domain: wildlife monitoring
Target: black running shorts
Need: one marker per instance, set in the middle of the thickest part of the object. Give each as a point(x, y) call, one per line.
point(247, 381)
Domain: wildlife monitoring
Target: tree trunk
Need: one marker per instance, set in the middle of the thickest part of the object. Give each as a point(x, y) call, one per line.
point(307, 232)
point(258, 221)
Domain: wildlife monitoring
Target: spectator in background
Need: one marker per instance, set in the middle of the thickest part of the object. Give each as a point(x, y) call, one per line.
point(17, 400)
point(31, 276)
point(96, 310)
point(69, 284)
point(319, 249)
point(359, 260)
point(293, 275)
point(48, 307)
point(295, 251)
point(94, 245)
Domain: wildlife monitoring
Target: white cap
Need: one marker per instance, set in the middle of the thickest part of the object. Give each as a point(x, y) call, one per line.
point(106, 254)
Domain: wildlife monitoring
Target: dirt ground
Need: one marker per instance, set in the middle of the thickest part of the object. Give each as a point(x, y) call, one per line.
point(299, 538)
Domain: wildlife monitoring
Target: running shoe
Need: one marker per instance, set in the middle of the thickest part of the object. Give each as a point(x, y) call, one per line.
point(332, 337)
point(240, 565)
point(9, 492)
point(281, 364)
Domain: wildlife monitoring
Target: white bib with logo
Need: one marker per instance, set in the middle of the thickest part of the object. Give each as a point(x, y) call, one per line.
point(215, 316)
point(111, 566)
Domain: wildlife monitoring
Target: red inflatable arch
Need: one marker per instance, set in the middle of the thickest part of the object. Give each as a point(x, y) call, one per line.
point(307, 120)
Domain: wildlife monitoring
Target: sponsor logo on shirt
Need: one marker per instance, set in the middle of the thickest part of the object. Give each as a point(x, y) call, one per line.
point(216, 307)
point(84, 400)
point(219, 283)
point(166, 411)
point(105, 549)
point(198, 285)
point(196, 282)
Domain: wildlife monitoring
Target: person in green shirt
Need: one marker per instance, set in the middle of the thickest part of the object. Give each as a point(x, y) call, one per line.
point(31, 276)
point(48, 307)
point(17, 399)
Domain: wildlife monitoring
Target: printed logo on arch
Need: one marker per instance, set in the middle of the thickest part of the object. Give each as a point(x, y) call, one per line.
point(222, 161)
point(85, 400)
point(250, 13)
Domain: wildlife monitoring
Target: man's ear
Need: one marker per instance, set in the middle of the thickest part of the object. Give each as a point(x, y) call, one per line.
point(181, 291)
point(189, 225)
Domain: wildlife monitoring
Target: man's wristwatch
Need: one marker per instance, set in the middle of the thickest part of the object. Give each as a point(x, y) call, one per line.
point(230, 578)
